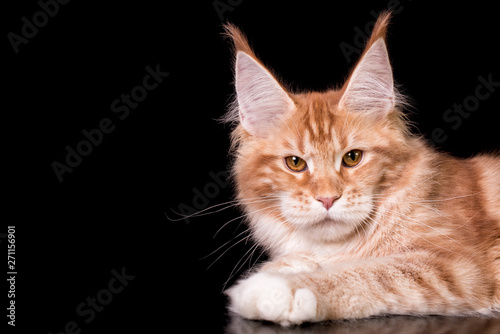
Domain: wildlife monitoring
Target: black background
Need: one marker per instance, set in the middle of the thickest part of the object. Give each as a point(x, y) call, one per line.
point(110, 211)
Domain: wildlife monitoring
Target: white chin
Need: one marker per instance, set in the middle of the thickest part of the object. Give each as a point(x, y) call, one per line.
point(324, 227)
point(329, 230)
point(329, 226)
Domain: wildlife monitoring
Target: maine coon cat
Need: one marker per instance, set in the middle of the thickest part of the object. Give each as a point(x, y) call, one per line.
point(360, 217)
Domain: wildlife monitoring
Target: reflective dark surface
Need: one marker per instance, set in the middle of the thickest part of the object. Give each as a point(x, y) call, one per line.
point(382, 325)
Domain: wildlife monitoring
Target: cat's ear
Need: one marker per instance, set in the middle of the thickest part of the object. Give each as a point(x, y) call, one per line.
point(370, 88)
point(261, 99)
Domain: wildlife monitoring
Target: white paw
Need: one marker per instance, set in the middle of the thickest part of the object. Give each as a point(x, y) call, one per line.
point(266, 296)
point(304, 306)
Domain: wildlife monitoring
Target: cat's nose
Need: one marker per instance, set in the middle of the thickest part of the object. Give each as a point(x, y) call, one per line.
point(327, 201)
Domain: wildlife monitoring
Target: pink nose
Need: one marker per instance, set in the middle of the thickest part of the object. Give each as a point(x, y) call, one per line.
point(327, 201)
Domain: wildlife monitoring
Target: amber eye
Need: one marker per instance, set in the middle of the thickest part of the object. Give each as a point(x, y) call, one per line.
point(352, 158)
point(295, 164)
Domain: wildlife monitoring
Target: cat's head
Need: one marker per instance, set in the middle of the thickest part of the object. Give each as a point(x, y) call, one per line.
point(315, 163)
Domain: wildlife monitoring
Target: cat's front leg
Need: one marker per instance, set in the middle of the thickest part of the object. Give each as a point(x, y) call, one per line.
point(407, 284)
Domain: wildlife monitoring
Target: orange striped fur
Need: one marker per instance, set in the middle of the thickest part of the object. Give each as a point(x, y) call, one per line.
point(413, 231)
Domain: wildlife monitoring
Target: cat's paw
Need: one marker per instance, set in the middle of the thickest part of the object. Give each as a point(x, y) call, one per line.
point(266, 296)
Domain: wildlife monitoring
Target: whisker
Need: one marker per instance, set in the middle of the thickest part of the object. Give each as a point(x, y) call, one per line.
point(204, 257)
point(405, 190)
point(435, 210)
point(256, 260)
point(203, 212)
point(235, 271)
point(217, 259)
point(242, 216)
point(242, 239)
point(459, 227)
point(391, 233)
point(229, 204)
point(427, 201)
point(447, 199)
point(431, 227)
point(427, 240)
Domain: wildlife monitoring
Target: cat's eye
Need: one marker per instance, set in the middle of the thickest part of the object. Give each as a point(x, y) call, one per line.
point(295, 164)
point(352, 158)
